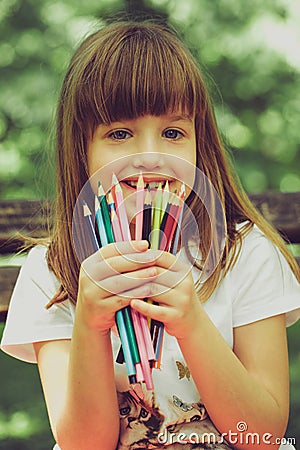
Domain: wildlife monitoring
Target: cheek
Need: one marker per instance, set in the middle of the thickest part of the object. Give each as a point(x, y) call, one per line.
point(186, 170)
point(188, 177)
point(102, 166)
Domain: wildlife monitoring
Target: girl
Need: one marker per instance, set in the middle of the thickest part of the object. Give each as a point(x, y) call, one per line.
point(134, 93)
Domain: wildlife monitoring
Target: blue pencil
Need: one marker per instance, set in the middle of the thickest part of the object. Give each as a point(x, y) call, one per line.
point(87, 214)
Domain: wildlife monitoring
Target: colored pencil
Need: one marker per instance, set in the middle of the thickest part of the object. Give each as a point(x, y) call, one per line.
point(165, 199)
point(170, 225)
point(100, 222)
point(120, 208)
point(139, 207)
point(87, 215)
point(144, 355)
point(130, 366)
point(147, 213)
point(132, 340)
point(114, 218)
point(179, 222)
point(105, 213)
point(156, 218)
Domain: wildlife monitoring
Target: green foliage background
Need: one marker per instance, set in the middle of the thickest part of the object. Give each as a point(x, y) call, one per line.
point(249, 53)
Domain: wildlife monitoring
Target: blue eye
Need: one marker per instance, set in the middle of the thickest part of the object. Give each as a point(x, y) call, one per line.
point(119, 135)
point(172, 134)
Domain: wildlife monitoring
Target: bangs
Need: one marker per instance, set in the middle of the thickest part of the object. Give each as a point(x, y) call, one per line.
point(139, 71)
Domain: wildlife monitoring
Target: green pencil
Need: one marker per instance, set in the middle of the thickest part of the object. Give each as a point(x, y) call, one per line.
point(105, 213)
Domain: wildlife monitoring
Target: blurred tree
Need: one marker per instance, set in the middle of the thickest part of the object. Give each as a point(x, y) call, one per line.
point(248, 51)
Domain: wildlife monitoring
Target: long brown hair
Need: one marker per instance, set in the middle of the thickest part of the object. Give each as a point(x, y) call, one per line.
point(126, 70)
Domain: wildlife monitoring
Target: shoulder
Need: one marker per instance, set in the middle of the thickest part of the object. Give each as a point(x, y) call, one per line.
point(28, 320)
point(256, 244)
point(262, 282)
point(35, 269)
point(258, 254)
point(37, 257)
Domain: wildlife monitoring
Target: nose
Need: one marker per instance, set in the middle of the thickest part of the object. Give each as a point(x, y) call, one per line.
point(148, 161)
point(148, 148)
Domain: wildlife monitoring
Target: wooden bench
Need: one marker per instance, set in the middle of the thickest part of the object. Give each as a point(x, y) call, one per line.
point(29, 218)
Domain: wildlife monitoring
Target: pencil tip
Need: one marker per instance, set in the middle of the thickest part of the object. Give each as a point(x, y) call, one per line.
point(86, 209)
point(114, 179)
point(100, 190)
point(140, 183)
point(110, 197)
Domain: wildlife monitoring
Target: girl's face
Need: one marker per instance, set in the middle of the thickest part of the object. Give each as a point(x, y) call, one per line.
point(161, 147)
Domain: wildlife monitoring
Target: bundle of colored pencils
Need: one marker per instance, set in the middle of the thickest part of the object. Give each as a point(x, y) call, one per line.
point(159, 222)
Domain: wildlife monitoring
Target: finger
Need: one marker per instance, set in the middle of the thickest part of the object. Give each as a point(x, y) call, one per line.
point(167, 260)
point(114, 249)
point(170, 279)
point(100, 269)
point(139, 292)
point(158, 293)
point(156, 312)
point(121, 283)
point(122, 247)
point(113, 304)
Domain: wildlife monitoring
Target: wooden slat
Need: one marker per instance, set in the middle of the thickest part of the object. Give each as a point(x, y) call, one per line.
point(8, 276)
point(21, 217)
point(282, 210)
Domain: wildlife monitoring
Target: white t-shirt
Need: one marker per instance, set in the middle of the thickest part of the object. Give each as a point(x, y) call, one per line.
point(260, 285)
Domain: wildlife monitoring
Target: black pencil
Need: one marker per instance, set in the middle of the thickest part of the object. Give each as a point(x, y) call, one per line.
point(147, 212)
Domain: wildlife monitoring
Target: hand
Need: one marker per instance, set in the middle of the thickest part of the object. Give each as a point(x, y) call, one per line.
point(109, 279)
point(178, 306)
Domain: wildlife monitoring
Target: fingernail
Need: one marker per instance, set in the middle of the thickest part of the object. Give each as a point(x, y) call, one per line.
point(142, 245)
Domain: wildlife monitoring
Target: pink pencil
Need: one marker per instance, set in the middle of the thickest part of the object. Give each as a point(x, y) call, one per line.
point(140, 337)
point(139, 207)
point(120, 208)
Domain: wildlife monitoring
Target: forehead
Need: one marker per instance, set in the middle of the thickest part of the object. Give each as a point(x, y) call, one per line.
point(138, 74)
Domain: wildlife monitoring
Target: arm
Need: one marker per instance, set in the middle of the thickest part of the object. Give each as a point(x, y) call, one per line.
point(78, 375)
point(248, 384)
point(78, 382)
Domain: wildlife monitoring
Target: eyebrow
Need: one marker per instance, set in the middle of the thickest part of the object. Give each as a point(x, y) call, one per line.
point(185, 117)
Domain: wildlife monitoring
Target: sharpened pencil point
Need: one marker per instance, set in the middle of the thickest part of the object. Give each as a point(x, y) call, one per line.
point(114, 180)
point(101, 192)
point(140, 183)
point(86, 209)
